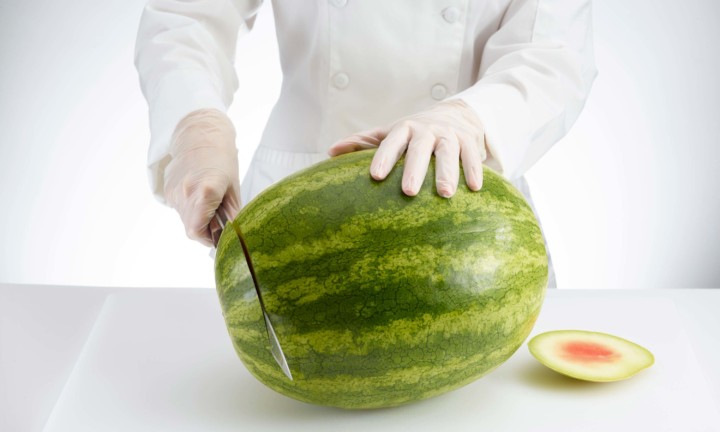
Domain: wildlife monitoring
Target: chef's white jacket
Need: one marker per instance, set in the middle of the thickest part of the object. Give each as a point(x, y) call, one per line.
point(524, 66)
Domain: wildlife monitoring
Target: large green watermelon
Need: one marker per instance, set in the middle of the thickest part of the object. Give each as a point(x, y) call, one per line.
point(377, 298)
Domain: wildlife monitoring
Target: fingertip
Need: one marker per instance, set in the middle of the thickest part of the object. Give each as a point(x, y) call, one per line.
point(377, 168)
point(479, 177)
point(445, 188)
point(409, 191)
point(336, 149)
point(445, 191)
point(475, 179)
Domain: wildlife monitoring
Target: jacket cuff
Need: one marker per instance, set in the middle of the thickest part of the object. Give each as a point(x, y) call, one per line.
point(504, 116)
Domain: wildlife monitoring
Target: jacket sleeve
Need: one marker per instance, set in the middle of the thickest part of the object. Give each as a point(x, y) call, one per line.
point(535, 75)
point(184, 55)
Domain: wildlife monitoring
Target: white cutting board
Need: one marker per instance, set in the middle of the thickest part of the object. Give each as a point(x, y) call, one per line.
point(162, 360)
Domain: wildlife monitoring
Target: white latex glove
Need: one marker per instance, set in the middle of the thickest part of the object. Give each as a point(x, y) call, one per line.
point(450, 129)
point(202, 174)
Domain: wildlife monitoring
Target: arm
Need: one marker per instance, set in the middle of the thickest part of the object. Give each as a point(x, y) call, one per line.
point(535, 74)
point(184, 56)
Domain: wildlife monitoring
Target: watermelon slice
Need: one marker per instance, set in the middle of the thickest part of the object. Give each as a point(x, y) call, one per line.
point(590, 356)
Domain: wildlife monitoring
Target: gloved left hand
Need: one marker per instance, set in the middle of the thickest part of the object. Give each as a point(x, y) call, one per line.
point(450, 129)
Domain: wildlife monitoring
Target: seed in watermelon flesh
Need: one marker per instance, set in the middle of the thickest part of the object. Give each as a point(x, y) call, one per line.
point(590, 356)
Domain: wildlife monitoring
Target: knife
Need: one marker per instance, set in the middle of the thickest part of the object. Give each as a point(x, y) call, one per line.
point(277, 352)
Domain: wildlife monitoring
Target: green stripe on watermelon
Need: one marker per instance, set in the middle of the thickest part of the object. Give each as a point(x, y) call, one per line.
point(380, 299)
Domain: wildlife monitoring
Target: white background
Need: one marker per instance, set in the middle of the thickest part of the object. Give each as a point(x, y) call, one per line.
point(629, 199)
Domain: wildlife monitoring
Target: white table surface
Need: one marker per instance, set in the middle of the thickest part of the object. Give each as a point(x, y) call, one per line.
point(55, 355)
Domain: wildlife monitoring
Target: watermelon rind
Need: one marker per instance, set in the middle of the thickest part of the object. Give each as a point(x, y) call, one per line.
point(377, 298)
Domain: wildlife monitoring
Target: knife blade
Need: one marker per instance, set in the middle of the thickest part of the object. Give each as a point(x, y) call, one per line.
point(275, 348)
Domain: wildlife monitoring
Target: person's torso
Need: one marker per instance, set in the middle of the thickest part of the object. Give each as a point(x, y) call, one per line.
point(350, 65)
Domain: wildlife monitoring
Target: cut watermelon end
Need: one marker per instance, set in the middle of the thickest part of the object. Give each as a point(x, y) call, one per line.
point(590, 356)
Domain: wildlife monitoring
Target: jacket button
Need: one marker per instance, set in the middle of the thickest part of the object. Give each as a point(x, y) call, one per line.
point(451, 14)
point(341, 80)
point(338, 3)
point(438, 92)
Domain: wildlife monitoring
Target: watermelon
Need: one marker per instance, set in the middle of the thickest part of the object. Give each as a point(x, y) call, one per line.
point(590, 356)
point(379, 299)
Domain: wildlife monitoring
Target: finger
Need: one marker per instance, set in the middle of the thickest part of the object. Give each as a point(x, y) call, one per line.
point(232, 201)
point(417, 159)
point(389, 151)
point(361, 141)
point(231, 210)
point(198, 228)
point(224, 214)
point(227, 211)
point(375, 135)
point(344, 147)
point(199, 209)
point(447, 165)
point(472, 158)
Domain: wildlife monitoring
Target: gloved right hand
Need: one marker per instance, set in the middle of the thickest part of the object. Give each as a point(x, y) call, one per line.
point(202, 174)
